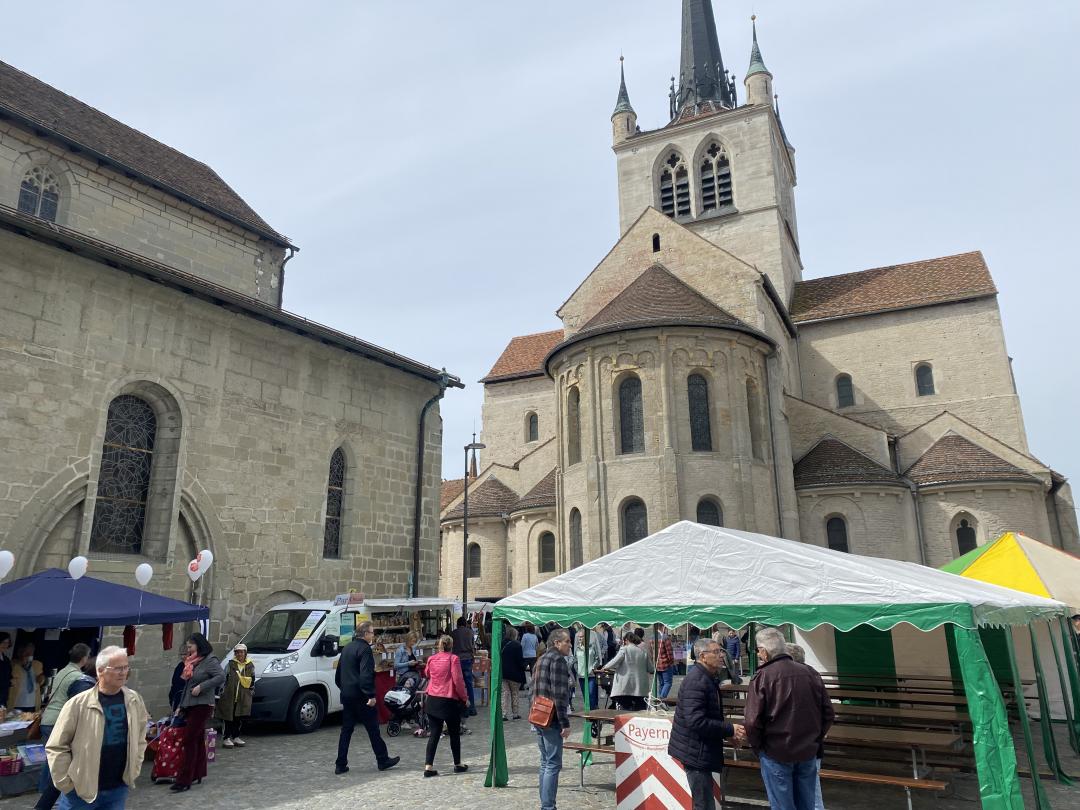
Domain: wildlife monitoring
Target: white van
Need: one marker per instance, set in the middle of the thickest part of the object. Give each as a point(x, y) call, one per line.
point(295, 648)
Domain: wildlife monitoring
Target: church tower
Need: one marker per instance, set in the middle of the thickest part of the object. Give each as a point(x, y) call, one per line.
point(724, 170)
point(623, 119)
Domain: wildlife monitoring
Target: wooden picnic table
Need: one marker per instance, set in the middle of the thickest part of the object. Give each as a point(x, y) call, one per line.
point(932, 715)
point(908, 678)
point(875, 695)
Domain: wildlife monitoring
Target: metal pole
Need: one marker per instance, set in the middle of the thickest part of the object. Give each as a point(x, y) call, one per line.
point(465, 543)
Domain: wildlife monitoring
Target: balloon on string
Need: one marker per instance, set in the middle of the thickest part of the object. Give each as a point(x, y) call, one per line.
point(193, 571)
point(7, 562)
point(77, 567)
point(205, 558)
point(144, 573)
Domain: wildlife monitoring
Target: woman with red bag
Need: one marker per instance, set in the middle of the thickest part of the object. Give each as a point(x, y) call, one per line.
point(446, 699)
point(202, 675)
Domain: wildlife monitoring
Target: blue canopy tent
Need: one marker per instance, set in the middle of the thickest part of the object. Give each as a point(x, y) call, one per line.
point(52, 599)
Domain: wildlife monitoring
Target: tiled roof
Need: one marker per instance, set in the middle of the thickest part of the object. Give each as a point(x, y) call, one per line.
point(954, 459)
point(38, 105)
point(901, 286)
point(833, 462)
point(524, 356)
point(543, 494)
point(491, 498)
point(450, 490)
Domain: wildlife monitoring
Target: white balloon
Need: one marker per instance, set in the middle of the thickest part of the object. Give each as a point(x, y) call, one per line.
point(205, 559)
point(77, 567)
point(7, 562)
point(193, 571)
point(144, 573)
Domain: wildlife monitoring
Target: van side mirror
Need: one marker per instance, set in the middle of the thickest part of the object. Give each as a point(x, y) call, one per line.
point(328, 647)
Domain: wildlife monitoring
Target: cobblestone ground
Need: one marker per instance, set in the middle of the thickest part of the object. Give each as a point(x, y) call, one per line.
point(284, 771)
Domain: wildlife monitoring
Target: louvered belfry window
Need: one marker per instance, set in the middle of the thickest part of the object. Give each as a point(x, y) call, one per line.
point(715, 179)
point(127, 456)
point(675, 187)
point(335, 498)
point(698, 393)
point(631, 417)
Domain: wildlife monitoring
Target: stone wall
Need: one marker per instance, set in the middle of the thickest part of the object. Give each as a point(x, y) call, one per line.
point(506, 406)
point(880, 520)
point(110, 206)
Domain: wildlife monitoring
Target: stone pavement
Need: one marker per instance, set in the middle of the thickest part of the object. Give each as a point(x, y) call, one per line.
point(282, 771)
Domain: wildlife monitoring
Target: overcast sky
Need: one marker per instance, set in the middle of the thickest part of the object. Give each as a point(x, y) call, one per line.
point(446, 168)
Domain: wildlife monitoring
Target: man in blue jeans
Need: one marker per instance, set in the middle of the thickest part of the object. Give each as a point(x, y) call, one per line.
point(551, 679)
point(788, 713)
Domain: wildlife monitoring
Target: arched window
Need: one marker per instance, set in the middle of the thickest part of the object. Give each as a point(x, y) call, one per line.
point(656, 243)
point(546, 553)
point(635, 521)
point(123, 489)
point(715, 178)
point(697, 388)
point(573, 426)
point(39, 194)
point(675, 187)
point(631, 417)
point(474, 559)
point(709, 513)
point(532, 427)
point(966, 539)
point(753, 414)
point(836, 533)
point(924, 379)
point(845, 393)
point(335, 499)
point(577, 556)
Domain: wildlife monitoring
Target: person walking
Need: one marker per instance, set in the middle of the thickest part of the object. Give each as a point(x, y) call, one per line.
point(665, 662)
point(202, 675)
point(733, 647)
point(631, 667)
point(446, 698)
point(465, 650)
point(78, 657)
point(788, 713)
point(513, 673)
point(27, 677)
point(96, 747)
point(551, 680)
point(589, 659)
point(699, 727)
point(235, 701)
point(355, 677)
point(529, 643)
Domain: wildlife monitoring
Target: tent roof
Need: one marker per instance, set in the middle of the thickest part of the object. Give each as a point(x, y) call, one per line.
point(704, 574)
point(43, 600)
point(1025, 564)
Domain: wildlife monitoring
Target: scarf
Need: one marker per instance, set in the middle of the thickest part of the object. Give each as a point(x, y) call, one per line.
point(245, 680)
point(190, 662)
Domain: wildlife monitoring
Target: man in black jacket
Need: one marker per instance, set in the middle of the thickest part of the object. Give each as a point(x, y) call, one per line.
point(699, 728)
point(355, 678)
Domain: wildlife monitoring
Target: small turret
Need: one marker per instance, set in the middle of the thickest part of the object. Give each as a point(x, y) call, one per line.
point(623, 119)
point(758, 80)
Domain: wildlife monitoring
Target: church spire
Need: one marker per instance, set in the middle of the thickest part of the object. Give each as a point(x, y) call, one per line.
point(702, 78)
point(622, 103)
point(757, 64)
point(624, 119)
point(758, 79)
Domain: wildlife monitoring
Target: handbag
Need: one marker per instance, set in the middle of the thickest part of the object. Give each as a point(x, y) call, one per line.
point(542, 711)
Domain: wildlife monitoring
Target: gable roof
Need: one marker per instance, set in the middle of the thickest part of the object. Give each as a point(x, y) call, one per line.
point(543, 494)
point(491, 499)
point(43, 108)
point(449, 490)
point(901, 286)
point(955, 459)
point(523, 356)
point(832, 462)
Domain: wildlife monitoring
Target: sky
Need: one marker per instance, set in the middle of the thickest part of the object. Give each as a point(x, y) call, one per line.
point(445, 168)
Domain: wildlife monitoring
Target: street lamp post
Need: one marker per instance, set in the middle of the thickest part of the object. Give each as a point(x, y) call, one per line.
point(474, 445)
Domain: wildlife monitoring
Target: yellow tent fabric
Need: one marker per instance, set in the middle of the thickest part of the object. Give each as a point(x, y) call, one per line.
point(1020, 562)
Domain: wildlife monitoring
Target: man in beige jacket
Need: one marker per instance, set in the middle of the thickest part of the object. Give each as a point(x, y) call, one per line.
point(96, 748)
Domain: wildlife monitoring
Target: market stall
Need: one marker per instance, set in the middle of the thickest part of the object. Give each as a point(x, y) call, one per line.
point(701, 575)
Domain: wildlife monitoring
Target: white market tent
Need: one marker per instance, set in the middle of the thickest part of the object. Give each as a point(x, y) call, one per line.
point(689, 573)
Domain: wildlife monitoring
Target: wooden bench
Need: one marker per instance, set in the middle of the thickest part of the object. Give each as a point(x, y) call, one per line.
point(587, 748)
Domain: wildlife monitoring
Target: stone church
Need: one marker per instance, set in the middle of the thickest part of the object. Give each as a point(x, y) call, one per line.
point(696, 375)
point(156, 400)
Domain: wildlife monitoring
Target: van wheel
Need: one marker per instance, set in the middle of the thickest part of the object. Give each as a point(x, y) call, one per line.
point(306, 712)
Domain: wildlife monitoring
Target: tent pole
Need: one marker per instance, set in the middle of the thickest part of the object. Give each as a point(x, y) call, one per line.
point(1069, 642)
point(751, 649)
point(1050, 751)
point(1070, 719)
point(586, 730)
point(497, 773)
point(1041, 800)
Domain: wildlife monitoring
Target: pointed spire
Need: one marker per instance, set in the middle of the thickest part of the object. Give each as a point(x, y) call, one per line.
point(622, 104)
point(702, 77)
point(757, 64)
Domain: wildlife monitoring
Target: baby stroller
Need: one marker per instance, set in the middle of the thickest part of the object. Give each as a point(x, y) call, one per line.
point(406, 704)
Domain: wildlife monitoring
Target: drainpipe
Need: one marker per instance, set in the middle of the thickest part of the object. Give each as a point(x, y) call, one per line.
point(913, 488)
point(444, 381)
point(1054, 487)
point(772, 445)
point(281, 276)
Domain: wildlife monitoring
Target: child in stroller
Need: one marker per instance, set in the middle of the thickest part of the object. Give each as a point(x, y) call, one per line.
point(406, 704)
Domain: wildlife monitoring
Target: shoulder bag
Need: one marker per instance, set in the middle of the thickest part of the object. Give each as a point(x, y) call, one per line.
point(542, 711)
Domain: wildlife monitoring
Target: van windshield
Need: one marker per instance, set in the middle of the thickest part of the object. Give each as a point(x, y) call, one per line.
point(275, 631)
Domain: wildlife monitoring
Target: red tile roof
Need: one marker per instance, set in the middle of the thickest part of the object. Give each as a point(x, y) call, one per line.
point(524, 356)
point(954, 459)
point(36, 104)
point(450, 490)
point(901, 286)
point(831, 462)
point(543, 494)
point(491, 499)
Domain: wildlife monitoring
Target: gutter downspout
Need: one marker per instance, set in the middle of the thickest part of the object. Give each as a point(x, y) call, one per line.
point(1054, 487)
point(913, 488)
point(772, 444)
point(281, 276)
point(444, 382)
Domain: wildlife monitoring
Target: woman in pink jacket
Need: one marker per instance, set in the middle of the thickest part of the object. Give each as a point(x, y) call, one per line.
point(445, 699)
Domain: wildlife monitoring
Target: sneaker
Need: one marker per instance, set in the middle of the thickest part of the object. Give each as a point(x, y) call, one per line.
point(228, 743)
point(238, 741)
point(338, 771)
point(389, 763)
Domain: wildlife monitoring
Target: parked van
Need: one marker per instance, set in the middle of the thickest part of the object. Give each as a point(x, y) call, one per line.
point(295, 648)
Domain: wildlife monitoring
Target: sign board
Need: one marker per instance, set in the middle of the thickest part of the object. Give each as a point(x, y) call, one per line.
point(646, 778)
point(353, 598)
point(304, 631)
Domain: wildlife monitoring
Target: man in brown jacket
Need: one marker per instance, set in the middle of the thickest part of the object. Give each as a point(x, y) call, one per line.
point(788, 713)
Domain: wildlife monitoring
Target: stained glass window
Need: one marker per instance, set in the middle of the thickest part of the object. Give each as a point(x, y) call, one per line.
point(635, 522)
point(709, 513)
point(127, 456)
point(576, 550)
point(39, 194)
point(836, 532)
point(845, 392)
point(335, 497)
point(474, 559)
point(573, 426)
point(700, 431)
point(547, 553)
point(631, 417)
point(924, 379)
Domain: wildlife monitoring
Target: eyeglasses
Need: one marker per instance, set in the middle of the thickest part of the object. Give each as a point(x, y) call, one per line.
point(125, 668)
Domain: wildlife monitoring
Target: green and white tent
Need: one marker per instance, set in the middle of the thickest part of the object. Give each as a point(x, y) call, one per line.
point(689, 573)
